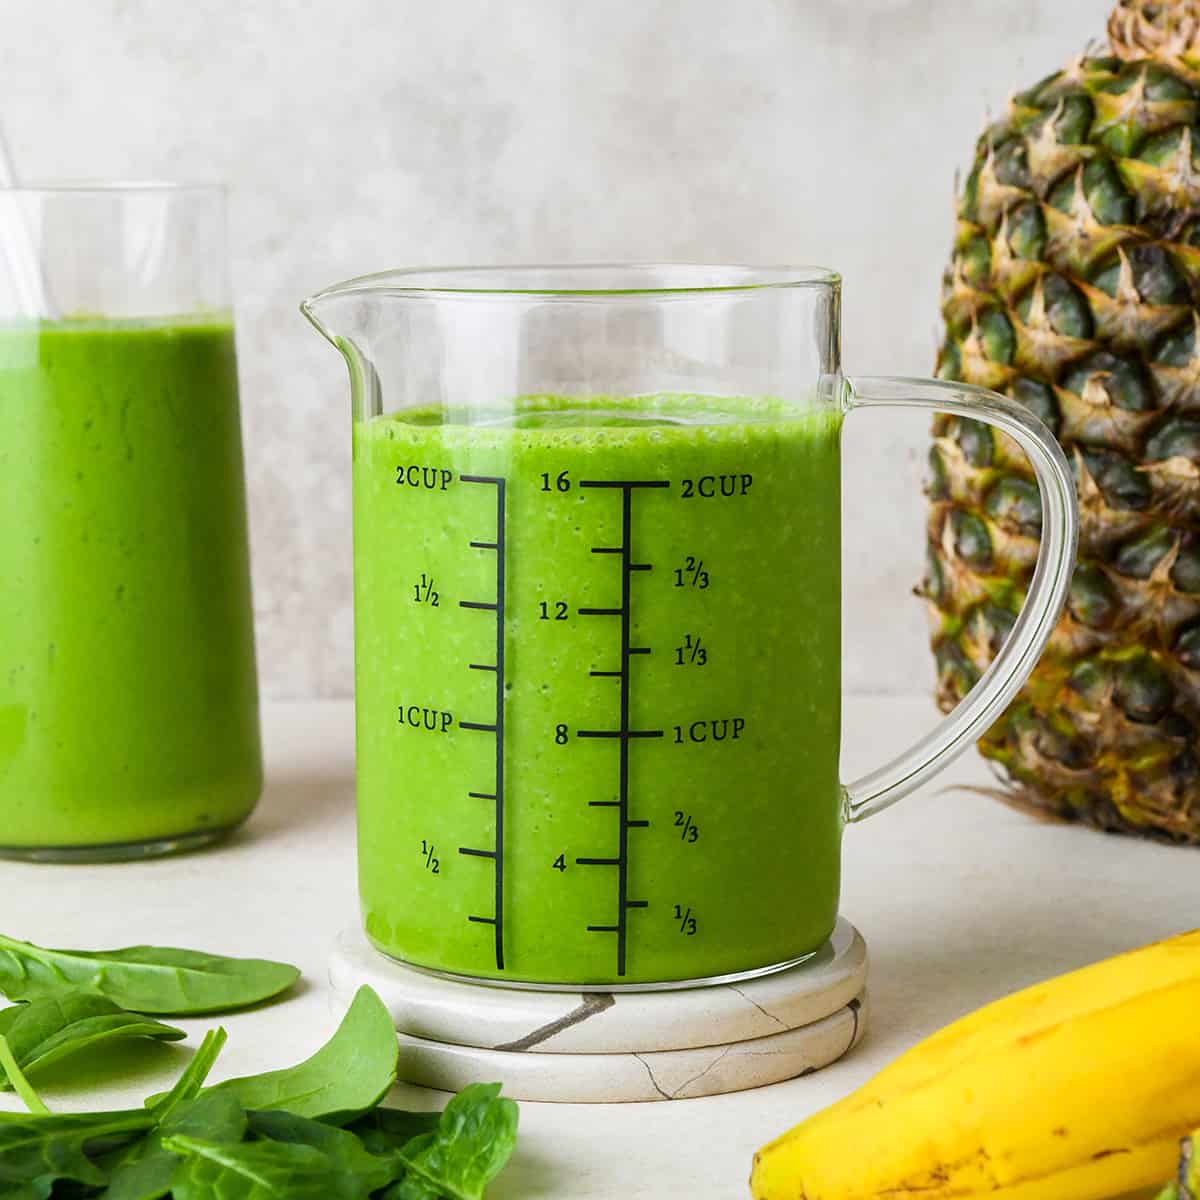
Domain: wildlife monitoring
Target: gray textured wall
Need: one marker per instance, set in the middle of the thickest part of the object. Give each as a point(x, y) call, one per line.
point(362, 134)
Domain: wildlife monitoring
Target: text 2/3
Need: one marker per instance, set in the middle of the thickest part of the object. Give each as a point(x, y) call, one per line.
point(689, 831)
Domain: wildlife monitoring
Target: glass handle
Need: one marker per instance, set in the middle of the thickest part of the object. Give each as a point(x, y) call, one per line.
point(1044, 600)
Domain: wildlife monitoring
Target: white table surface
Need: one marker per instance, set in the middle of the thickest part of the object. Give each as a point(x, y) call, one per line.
point(960, 899)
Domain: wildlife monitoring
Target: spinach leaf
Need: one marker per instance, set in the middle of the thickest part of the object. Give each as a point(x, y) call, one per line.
point(342, 1148)
point(473, 1140)
point(37, 1151)
point(148, 979)
point(144, 1170)
point(347, 1076)
point(22, 1086)
point(258, 1171)
point(191, 1079)
point(383, 1130)
point(53, 1027)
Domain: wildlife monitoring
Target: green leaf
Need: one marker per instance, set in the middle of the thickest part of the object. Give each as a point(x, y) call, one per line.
point(259, 1171)
point(51, 1028)
point(340, 1146)
point(12, 1070)
point(473, 1140)
point(144, 1170)
point(383, 1130)
point(36, 1151)
point(146, 979)
point(350, 1074)
point(191, 1079)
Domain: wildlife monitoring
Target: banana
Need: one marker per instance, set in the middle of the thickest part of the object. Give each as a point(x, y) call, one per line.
point(1079, 1088)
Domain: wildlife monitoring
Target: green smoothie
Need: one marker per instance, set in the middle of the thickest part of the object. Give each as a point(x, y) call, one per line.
point(598, 687)
point(128, 710)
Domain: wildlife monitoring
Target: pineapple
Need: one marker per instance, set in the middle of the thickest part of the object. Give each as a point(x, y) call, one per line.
point(1075, 288)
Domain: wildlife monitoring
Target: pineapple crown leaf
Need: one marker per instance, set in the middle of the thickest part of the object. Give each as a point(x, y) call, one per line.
point(1167, 30)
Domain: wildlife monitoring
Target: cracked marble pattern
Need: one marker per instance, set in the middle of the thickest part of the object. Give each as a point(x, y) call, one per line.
point(540, 130)
point(560, 1023)
point(644, 1075)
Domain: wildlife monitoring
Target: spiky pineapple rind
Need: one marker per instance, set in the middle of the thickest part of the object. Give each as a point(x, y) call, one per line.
point(1075, 287)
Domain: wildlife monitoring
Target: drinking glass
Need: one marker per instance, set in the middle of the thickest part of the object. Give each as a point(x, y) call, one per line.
point(128, 698)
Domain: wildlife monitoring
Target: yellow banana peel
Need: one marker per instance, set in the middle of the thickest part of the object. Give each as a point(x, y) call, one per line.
point(1079, 1088)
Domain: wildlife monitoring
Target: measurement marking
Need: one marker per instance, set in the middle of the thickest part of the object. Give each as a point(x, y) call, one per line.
point(623, 792)
point(598, 862)
point(623, 483)
point(637, 903)
point(497, 727)
point(623, 734)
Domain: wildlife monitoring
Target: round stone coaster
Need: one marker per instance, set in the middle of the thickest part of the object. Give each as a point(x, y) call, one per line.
point(654, 1075)
point(451, 1013)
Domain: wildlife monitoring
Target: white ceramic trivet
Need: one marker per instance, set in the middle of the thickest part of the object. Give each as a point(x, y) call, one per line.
point(448, 1011)
point(654, 1075)
point(606, 1047)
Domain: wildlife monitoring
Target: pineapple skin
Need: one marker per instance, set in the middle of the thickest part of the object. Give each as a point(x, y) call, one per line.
point(1074, 287)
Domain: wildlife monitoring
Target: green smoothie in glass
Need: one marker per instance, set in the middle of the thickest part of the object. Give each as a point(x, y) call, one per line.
point(128, 709)
point(598, 687)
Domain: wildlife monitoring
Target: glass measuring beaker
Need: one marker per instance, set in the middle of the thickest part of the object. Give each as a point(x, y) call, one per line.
point(597, 596)
point(128, 701)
